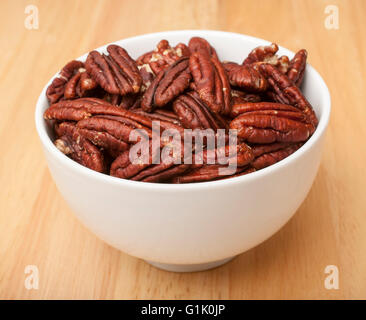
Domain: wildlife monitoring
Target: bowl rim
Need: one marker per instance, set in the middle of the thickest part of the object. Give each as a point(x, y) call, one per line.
point(104, 178)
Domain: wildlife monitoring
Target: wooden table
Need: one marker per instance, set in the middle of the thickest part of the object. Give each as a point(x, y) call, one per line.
point(37, 227)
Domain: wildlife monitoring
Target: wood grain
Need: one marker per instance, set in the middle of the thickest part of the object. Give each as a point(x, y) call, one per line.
point(38, 228)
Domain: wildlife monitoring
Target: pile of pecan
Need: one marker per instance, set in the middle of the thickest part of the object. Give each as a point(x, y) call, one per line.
point(96, 105)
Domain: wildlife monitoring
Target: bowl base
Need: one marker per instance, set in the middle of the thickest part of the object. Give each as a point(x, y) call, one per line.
point(189, 267)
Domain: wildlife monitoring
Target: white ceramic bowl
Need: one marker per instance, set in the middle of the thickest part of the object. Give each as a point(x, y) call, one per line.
point(198, 226)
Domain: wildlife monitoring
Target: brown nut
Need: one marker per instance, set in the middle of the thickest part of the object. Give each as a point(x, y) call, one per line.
point(286, 92)
point(261, 53)
point(76, 110)
point(297, 67)
point(126, 167)
point(163, 56)
point(266, 122)
point(72, 82)
point(268, 154)
point(74, 145)
point(245, 77)
point(161, 172)
point(198, 44)
point(224, 155)
point(167, 85)
point(209, 173)
point(167, 119)
point(116, 73)
point(194, 114)
point(210, 81)
point(267, 54)
point(111, 132)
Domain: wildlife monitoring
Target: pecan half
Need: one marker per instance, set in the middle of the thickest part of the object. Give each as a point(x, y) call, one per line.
point(243, 153)
point(123, 167)
point(197, 44)
point(266, 155)
point(116, 73)
point(162, 175)
point(167, 85)
point(211, 81)
point(163, 56)
point(194, 114)
point(72, 82)
point(209, 173)
point(266, 122)
point(297, 67)
point(287, 93)
point(161, 172)
point(202, 174)
point(261, 53)
point(167, 119)
point(74, 145)
point(245, 77)
point(76, 110)
point(116, 126)
point(79, 85)
point(267, 54)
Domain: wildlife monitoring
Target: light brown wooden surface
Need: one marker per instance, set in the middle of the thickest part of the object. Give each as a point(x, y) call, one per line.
point(38, 228)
